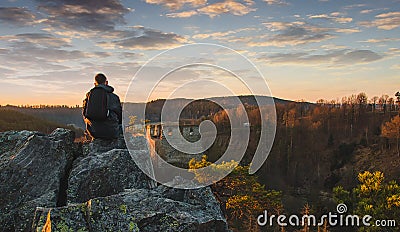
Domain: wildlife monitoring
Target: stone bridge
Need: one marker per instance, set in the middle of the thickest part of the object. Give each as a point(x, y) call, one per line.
point(161, 133)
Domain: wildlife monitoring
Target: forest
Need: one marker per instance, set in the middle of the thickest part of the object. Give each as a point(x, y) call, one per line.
point(14, 120)
point(61, 114)
point(336, 151)
point(330, 152)
point(324, 153)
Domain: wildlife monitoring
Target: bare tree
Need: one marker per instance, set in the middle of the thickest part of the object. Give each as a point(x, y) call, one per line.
point(390, 103)
point(383, 101)
point(362, 101)
point(374, 100)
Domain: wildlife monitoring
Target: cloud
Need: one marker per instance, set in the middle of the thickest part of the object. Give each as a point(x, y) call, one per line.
point(114, 70)
point(68, 86)
point(215, 35)
point(335, 16)
point(249, 2)
point(177, 4)
point(240, 35)
point(42, 39)
point(334, 58)
point(279, 26)
point(35, 54)
point(183, 14)
point(295, 33)
point(276, 2)
point(320, 16)
point(393, 52)
point(142, 38)
point(83, 15)
point(57, 55)
point(6, 71)
point(343, 19)
point(385, 21)
point(45, 46)
point(383, 40)
point(215, 9)
point(390, 14)
point(281, 34)
point(349, 7)
point(226, 7)
point(24, 61)
point(17, 16)
point(333, 47)
point(346, 30)
point(130, 55)
point(366, 11)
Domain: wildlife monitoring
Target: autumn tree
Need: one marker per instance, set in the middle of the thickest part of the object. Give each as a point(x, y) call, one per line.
point(374, 197)
point(391, 130)
point(242, 196)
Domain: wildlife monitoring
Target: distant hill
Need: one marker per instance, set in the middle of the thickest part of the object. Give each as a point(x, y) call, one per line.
point(198, 108)
point(14, 120)
point(204, 107)
point(59, 115)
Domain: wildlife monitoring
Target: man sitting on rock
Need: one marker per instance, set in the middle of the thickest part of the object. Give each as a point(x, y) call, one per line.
point(102, 110)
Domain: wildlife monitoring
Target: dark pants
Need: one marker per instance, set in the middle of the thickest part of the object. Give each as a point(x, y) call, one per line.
point(107, 129)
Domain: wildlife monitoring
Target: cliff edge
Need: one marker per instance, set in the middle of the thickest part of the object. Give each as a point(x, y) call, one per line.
point(50, 181)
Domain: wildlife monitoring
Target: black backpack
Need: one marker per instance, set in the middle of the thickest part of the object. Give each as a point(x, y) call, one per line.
point(96, 105)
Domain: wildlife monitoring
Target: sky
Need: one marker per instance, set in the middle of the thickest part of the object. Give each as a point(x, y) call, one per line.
point(51, 50)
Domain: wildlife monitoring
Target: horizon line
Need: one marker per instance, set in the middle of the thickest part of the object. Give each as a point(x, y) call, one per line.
point(326, 101)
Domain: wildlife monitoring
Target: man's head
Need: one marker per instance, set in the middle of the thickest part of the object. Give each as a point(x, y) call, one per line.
point(100, 79)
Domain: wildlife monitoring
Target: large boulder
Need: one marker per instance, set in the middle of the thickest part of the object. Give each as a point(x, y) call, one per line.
point(137, 210)
point(101, 174)
point(33, 167)
point(48, 180)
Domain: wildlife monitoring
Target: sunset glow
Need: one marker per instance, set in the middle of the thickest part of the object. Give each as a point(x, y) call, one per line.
point(51, 50)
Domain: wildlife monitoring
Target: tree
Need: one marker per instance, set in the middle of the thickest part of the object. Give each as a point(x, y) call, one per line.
point(390, 102)
point(383, 101)
point(391, 130)
point(362, 100)
point(374, 197)
point(398, 101)
point(374, 100)
point(242, 196)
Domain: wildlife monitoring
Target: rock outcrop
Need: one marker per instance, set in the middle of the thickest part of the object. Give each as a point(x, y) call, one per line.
point(32, 171)
point(137, 210)
point(101, 174)
point(48, 180)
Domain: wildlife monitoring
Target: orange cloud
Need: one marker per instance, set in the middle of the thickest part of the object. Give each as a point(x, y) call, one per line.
point(231, 7)
point(183, 14)
point(177, 4)
point(385, 21)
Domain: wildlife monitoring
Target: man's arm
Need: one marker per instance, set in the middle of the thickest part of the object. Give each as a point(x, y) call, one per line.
point(119, 113)
point(84, 105)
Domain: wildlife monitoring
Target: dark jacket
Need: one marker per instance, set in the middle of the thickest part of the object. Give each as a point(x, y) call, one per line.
point(109, 128)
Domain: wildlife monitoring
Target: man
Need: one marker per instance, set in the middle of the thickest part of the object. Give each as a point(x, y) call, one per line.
point(102, 110)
